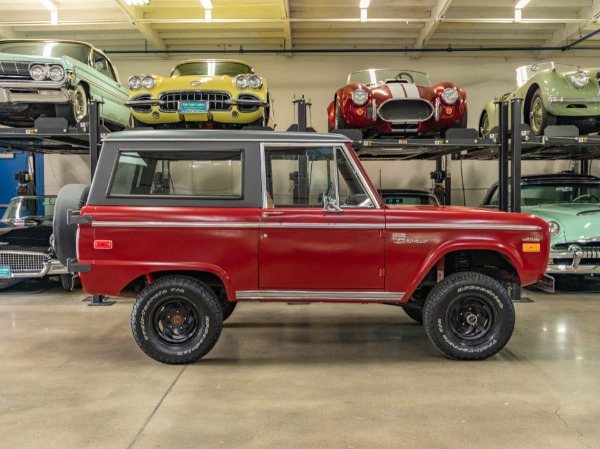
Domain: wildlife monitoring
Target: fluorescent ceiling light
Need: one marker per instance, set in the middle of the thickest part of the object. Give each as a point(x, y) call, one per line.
point(517, 15)
point(48, 5)
point(137, 2)
point(363, 15)
point(364, 4)
point(521, 4)
point(207, 4)
point(208, 15)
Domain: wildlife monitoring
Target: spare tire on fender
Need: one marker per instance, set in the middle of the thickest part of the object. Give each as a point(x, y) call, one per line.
point(70, 197)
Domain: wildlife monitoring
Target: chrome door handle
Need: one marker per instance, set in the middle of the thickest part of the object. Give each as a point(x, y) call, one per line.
point(268, 214)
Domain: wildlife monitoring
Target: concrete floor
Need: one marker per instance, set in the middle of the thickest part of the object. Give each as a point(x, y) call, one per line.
point(301, 376)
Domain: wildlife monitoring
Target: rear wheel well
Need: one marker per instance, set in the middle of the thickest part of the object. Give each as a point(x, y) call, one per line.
point(210, 279)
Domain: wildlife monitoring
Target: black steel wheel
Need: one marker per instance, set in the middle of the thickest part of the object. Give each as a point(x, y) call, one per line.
point(176, 320)
point(469, 316)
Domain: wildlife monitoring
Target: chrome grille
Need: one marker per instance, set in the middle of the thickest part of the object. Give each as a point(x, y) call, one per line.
point(22, 262)
point(217, 101)
point(405, 110)
point(10, 70)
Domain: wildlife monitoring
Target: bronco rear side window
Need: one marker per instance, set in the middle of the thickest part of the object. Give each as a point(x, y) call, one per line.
point(198, 174)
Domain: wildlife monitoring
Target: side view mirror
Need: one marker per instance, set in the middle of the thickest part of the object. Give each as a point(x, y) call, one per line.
point(330, 205)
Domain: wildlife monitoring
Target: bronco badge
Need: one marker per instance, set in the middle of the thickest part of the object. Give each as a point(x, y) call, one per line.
point(400, 238)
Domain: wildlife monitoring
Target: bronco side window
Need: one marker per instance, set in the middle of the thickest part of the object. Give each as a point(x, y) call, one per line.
point(302, 176)
point(198, 174)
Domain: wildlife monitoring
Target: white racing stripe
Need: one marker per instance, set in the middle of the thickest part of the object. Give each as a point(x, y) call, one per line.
point(403, 90)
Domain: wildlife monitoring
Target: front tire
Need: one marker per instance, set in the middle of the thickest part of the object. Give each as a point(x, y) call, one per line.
point(484, 125)
point(539, 118)
point(469, 316)
point(176, 320)
point(340, 122)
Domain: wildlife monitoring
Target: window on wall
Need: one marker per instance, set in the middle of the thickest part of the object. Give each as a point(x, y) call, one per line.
point(200, 174)
point(303, 176)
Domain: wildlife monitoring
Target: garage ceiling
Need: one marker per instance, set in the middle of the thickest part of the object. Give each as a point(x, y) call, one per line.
point(275, 25)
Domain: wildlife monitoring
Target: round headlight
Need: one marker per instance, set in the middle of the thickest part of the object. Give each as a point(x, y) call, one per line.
point(554, 228)
point(360, 97)
point(241, 81)
point(255, 82)
point(37, 72)
point(56, 73)
point(579, 80)
point(148, 82)
point(134, 82)
point(450, 95)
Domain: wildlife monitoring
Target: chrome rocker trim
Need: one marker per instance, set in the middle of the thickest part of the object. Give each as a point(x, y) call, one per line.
point(301, 295)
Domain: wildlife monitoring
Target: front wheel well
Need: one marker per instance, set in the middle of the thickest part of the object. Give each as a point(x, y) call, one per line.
point(491, 263)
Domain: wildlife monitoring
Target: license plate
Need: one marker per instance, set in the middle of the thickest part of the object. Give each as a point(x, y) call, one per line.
point(4, 271)
point(194, 107)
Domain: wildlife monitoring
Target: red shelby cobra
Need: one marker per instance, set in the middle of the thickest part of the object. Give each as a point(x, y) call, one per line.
point(394, 101)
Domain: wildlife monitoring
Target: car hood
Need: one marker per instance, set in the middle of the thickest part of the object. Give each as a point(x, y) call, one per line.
point(32, 235)
point(578, 221)
point(31, 58)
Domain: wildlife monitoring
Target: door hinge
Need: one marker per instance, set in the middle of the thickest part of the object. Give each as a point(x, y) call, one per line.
point(382, 272)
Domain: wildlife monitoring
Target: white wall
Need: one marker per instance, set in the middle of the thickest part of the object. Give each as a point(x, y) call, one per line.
point(317, 77)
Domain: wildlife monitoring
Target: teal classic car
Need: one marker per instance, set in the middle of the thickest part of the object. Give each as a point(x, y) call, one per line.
point(553, 94)
point(570, 203)
point(50, 78)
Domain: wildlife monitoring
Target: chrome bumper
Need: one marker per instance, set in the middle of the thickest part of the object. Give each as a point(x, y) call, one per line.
point(50, 268)
point(156, 102)
point(574, 99)
point(38, 93)
point(575, 255)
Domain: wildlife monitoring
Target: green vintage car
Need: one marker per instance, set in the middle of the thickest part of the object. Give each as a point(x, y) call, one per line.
point(50, 78)
point(570, 203)
point(553, 94)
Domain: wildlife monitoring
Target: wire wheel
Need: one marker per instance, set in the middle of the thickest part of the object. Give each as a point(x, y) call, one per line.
point(484, 127)
point(80, 103)
point(536, 116)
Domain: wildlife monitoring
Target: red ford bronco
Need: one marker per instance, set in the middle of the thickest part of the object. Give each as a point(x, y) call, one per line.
point(194, 221)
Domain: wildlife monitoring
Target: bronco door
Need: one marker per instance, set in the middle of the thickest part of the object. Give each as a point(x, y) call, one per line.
point(320, 228)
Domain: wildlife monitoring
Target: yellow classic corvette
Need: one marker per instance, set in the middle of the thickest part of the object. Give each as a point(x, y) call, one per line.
point(201, 93)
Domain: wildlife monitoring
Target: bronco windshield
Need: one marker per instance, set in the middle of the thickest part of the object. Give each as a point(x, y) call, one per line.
point(212, 68)
point(47, 49)
point(380, 76)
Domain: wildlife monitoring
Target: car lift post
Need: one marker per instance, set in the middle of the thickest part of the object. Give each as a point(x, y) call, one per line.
point(301, 106)
point(94, 132)
point(503, 158)
point(516, 106)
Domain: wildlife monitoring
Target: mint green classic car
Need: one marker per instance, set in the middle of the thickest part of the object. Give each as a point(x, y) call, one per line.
point(570, 203)
point(553, 94)
point(50, 78)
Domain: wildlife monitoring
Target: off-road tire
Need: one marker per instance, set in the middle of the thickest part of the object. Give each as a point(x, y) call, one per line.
point(416, 313)
point(469, 316)
point(176, 320)
point(70, 197)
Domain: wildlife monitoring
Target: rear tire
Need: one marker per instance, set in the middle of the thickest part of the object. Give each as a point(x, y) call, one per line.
point(70, 197)
point(469, 316)
point(484, 125)
point(176, 320)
